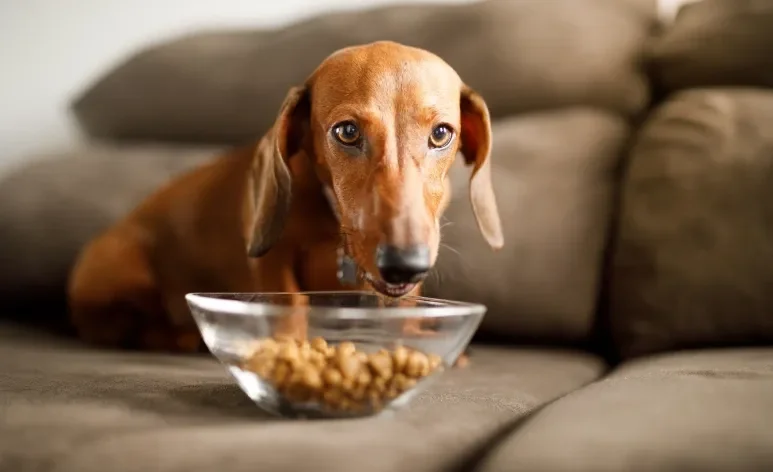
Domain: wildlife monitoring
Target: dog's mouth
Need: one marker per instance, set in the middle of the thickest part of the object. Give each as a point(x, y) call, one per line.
point(349, 272)
point(390, 290)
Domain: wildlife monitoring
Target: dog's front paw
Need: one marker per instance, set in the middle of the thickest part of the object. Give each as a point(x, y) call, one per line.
point(107, 330)
point(416, 328)
point(462, 361)
point(126, 330)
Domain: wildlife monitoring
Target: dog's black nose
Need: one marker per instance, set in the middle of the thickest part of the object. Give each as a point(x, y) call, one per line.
point(403, 265)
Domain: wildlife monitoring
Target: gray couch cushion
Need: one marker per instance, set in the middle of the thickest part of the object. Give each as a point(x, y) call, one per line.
point(66, 408)
point(693, 260)
point(715, 42)
point(520, 55)
point(554, 174)
point(52, 206)
point(708, 411)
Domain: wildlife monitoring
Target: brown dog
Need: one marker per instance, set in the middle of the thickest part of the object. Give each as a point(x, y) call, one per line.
point(363, 148)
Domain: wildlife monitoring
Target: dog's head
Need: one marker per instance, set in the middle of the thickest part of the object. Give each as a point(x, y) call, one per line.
point(382, 123)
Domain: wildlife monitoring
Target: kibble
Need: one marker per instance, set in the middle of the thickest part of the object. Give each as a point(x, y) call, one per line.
point(340, 378)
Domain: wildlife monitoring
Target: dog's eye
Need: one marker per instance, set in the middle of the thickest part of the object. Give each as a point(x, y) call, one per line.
point(347, 133)
point(441, 136)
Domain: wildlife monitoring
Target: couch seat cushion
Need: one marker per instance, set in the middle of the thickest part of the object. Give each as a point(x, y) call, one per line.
point(701, 410)
point(68, 408)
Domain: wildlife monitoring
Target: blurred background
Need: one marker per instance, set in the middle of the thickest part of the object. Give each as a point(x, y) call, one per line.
point(104, 101)
point(51, 50)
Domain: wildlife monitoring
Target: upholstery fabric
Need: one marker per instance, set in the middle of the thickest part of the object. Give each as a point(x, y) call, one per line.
point(554, 174)
point(715, 43)
point(521, 55)
point(66, 408)
point(693, 262)
point(52, 206)
point(703, 410)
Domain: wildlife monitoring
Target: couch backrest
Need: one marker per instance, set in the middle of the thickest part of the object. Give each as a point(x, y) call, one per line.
point(521, 55)
point(562, 79)
point(692, 260)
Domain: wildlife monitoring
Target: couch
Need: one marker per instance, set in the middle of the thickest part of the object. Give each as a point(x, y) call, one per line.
point(630, 322)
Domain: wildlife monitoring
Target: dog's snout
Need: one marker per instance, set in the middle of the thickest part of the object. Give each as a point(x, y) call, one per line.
point(403, 265)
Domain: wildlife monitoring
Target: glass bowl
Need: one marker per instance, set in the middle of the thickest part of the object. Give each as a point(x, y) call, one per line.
point(361, 353)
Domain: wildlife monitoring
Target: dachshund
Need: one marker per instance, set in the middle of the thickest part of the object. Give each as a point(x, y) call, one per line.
point(356, 161)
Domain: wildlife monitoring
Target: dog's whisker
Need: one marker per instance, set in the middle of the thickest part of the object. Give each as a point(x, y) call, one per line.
point(432, 275)
point(438, 274)
point(450, 249)
point(439, 277)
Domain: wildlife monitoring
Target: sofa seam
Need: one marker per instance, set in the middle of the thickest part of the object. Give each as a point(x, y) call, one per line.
point(475, 459)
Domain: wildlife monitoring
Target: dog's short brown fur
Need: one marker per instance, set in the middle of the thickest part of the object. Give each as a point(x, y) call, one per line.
point(257, 219)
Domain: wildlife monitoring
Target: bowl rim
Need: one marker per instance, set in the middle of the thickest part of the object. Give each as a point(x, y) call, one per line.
point(445, 308)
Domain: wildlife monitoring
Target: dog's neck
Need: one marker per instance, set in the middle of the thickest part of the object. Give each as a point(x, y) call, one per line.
point(348, 271)
point(312, 183)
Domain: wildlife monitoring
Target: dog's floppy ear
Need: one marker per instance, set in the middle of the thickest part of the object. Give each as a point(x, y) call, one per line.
point(476, 148)
point(270, 183)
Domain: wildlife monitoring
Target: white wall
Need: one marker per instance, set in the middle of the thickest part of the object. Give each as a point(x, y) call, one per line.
point(50, 50)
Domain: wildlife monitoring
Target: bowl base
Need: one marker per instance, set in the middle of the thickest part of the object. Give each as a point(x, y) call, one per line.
point(269, 400)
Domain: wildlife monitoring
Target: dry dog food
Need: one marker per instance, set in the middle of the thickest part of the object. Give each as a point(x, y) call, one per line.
point(339, 377)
